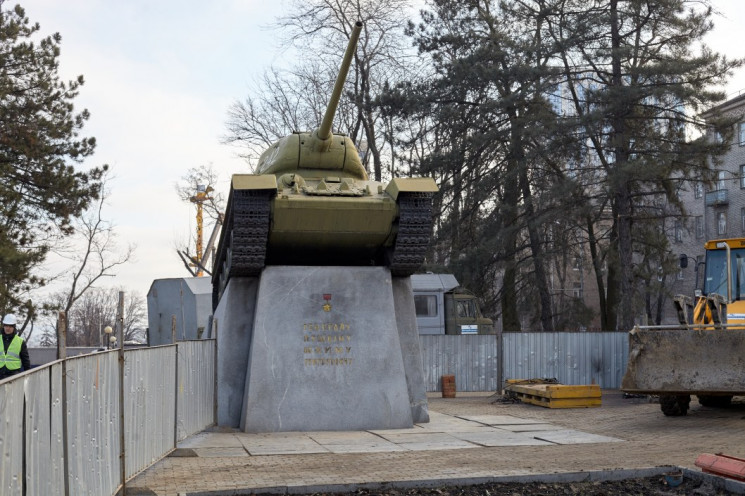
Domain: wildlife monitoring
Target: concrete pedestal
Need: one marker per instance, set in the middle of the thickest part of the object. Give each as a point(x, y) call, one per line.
point(233, 326)
point(330, 349)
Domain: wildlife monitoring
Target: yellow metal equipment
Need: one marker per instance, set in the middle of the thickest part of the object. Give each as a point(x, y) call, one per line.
point(554, 395)
point(199, 198)
point(705, 354)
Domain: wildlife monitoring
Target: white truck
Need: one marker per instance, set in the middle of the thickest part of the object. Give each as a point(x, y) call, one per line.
point(443, 307)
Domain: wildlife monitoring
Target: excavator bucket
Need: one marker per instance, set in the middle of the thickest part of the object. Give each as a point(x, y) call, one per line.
point(686, 360)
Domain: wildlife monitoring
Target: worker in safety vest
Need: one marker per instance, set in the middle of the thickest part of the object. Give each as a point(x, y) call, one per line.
point(14, 353)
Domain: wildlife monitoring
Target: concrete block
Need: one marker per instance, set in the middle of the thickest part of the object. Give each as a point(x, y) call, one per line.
point(570, 436)
point(498, 437)
point(326, 352)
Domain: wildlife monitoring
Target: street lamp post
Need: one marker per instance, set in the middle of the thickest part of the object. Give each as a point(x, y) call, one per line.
point(108, 330)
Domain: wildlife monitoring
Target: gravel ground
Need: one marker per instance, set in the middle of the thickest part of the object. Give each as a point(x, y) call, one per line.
point(650, 486)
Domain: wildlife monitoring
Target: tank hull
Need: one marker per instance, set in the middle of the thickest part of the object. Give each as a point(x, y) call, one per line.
point(312, 230)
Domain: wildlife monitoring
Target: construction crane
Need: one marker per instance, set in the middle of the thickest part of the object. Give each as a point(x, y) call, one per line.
point(199, 198)
point(196, 264)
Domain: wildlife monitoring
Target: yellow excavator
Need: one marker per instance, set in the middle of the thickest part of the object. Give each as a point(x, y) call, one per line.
point(705, 354)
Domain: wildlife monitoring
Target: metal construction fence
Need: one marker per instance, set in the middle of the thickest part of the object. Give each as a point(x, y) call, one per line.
point(569, 357)
point(65, 426)
point(472, 359)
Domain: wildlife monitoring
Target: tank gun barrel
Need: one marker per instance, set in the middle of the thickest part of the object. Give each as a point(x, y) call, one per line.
point(324, 132)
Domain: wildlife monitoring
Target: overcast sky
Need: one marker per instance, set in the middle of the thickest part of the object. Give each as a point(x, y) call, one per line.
point(160, 76)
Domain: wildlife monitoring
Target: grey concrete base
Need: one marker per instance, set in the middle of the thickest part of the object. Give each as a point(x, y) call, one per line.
point(326, 354)
point(233, 324)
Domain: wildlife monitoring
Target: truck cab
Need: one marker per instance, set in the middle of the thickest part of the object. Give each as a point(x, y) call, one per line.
point(443, 307)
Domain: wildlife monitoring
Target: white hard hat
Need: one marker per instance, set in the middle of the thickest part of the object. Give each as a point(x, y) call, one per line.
point(9, 319)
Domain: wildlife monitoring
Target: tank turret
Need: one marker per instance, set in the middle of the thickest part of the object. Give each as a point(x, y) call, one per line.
point(311, 202)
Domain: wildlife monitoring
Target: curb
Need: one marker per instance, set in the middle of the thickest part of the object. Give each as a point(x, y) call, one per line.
point(717, 482)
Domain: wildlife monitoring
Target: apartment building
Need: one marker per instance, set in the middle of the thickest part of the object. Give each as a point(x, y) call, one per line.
point(714, 210)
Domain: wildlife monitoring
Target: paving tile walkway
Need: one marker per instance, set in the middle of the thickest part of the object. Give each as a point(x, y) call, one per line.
point(442, 432)
point(469, 437)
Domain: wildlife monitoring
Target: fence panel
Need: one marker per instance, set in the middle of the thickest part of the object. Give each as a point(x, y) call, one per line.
point(569, 357)
point(32, 410)
point(471, 359)
point(196, 386)
point(149, 406)
point(44, 445)
point(93, 446)
point(11, 436)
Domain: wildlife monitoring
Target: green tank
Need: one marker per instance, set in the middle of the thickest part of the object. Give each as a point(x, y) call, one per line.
point(311, 202)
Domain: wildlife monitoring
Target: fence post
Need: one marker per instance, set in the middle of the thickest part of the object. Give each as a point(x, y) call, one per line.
point(120, 333)
point(62, 355)
point(175, 396)
point(175, 373)
point(214, 389)
point(500, 361)
point(61, 336)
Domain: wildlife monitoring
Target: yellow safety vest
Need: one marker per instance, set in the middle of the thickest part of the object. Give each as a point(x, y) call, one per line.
point(11, 359)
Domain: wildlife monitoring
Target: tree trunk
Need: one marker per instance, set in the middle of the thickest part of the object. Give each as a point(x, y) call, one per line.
point(510, 315)
point(541, 282)
point(622, 195)
point(613, 293)
point(598, 268)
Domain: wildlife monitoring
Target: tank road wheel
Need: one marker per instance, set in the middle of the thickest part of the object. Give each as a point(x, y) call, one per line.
point(674, 405)
point(242, 249)
point(414, 230)
point(715, 400)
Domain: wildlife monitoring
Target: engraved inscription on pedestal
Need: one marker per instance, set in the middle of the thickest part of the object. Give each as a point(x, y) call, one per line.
point(327, 344)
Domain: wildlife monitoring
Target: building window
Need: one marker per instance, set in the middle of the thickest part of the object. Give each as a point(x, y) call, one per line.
point(425, 305)
point(742, 176)
point(741, 133)
point(720, 180)
point(678, 231)
point(722, 223)
point(577, 263)
point(698, 189)
point(577, 290)
point(700, 226)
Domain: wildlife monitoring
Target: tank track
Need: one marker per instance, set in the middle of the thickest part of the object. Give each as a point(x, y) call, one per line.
point(242, 251)
point(414, 230)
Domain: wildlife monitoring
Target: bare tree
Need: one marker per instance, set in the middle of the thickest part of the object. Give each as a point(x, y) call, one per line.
point(296, 99)
point(281, 102)
point(97, 309)
point(91, 255)
point(202, 176)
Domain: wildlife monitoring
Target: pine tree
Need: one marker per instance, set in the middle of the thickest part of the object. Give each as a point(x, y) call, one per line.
point(638, 75)
point(41, 189)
